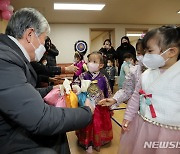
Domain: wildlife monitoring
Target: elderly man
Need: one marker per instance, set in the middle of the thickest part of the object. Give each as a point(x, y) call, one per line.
point(27, 124)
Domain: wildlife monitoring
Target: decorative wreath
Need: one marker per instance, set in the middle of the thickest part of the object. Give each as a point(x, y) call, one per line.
point(81, 47)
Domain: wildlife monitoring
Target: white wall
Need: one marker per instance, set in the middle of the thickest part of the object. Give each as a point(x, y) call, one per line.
point(64, 36)
point(97, 43)
point(3, 24)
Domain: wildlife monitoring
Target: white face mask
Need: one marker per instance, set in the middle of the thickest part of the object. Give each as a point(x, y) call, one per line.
point(140, 58)
point(93, 67)
point(108, 64)
point(130, 62)
point(75, 60)
point(39, 52)
point(45, 63)
point(154, 61)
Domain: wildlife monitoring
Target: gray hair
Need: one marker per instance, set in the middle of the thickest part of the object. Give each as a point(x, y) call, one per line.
point(27, 18)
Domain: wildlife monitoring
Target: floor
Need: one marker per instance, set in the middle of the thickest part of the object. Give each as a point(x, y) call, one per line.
point(110, 148)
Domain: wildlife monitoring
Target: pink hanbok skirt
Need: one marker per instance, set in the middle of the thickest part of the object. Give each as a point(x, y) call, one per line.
point(145, 138)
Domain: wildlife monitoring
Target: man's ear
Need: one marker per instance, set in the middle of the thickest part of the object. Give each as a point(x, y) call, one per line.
point(28, 34)
point(173, 52)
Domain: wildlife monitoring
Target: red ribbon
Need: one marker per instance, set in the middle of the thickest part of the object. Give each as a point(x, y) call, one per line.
point(153, 113)
point(141, 92)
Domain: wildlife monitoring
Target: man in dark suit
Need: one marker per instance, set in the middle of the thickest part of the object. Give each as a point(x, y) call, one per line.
point(27, 124)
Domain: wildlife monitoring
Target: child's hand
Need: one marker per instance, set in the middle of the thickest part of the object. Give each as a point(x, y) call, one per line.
point(107, 102)
point(76, 89)
point(56, 87)
point(125, 125)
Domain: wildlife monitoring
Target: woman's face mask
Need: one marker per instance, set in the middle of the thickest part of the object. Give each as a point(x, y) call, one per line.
point(125, 44)
point(154, 61)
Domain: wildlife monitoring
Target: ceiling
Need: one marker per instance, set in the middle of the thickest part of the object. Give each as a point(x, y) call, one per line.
point(115, 11)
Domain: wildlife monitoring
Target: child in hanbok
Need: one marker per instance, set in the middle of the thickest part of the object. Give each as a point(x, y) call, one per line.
point(131, 79)
point(99, 131)
point(80, 63)
point(129, 60)
point(151, 122)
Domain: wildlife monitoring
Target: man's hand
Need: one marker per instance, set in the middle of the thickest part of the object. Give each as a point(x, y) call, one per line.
point(71, 69)
point(56, 87)
point(107, 102)
point(52, 79)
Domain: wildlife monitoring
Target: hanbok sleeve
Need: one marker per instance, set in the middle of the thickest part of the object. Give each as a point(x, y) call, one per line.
point(107, 90)
point(127, 90)
point(126, 69)
point(133, 103)
point(80, 70)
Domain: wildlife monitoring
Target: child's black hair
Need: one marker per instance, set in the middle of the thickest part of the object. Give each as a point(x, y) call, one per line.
point(140, 42)
point(112, 60)
point(128, 55)
point(78, 55)
point(166, 36)
point(99, 54)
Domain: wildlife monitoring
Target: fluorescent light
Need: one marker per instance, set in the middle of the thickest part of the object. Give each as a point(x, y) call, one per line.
point(68, 6)
point(133, 34)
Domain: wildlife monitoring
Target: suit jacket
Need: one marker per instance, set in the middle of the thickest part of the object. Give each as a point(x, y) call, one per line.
point(25, 120)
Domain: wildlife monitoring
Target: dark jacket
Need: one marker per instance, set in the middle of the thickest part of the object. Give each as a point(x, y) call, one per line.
point(25, 120)
point(111, 71)
point(44, 72)
point(51, 55)
point(109, 54)
point(120, 51)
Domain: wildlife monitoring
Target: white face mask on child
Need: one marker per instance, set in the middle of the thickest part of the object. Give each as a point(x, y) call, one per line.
point(75, 60)
point(154, 61)
point(140, 58)
point(108, 64)
point(93, 67)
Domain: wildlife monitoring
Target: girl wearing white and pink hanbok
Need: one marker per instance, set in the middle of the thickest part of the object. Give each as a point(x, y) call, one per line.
point(131, 79)
point(151, 122)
